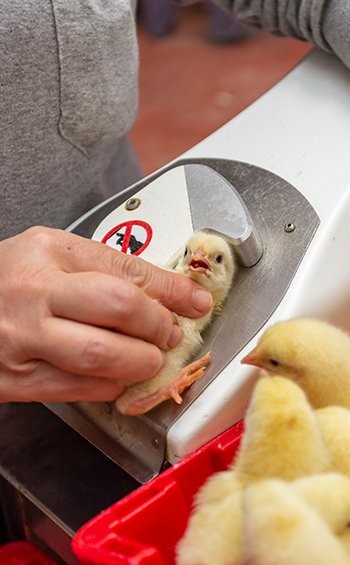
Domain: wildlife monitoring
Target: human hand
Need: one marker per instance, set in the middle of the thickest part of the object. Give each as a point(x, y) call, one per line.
point(78, 320)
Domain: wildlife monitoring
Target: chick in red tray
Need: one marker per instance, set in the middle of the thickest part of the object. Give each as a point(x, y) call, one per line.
point(207, 259)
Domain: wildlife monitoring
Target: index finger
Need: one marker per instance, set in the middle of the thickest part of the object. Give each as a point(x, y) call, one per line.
point(109, 302)
point(174, 291)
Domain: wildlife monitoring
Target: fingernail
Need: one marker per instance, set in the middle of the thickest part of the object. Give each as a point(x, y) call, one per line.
point(202, 300)
point(175, 336)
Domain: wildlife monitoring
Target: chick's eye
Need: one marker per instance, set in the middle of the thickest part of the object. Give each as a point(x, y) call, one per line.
point(186, 251)
point(273, 362)
point(219, 258)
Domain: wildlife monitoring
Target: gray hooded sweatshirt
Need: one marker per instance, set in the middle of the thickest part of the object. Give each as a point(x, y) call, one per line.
point(68, 96)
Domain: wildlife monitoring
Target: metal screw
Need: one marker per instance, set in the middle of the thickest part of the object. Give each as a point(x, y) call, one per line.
point(155, 442)
point(132, 203)
point(289, 227)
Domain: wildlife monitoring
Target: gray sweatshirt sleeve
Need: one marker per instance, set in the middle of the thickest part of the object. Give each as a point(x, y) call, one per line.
point(326, 23)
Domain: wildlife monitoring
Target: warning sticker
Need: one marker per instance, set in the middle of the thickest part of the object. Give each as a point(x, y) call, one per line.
point(131, 237)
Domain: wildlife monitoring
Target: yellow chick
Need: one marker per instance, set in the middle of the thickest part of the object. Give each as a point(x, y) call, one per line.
point(271, 522)
point(214, 533)
point(334, 425)
point(315, 354)
point(282, 438)
point(329, 495)
point(207, 259)
point(282, 528)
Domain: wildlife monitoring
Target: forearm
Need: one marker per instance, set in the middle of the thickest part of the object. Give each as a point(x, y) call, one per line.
point(326, 23)
point(297, 18)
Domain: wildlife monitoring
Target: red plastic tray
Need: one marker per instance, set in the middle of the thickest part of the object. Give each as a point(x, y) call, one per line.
point(23, 553)
point(144, 527)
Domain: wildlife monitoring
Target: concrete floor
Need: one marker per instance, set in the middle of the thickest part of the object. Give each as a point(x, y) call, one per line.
point(190, 85)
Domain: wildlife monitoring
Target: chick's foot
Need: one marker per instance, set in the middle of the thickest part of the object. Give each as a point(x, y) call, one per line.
point(183, 380)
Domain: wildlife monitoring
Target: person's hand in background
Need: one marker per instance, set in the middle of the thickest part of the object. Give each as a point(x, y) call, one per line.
point(78, 319)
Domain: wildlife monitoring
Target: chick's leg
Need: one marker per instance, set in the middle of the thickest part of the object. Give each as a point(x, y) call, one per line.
point(188, 375)
point(131, 404)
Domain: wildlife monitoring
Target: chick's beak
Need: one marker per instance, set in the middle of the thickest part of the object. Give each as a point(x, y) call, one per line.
point(199, 261)
point(252, 359)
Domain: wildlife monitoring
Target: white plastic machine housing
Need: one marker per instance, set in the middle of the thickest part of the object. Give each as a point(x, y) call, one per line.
point(300, 130)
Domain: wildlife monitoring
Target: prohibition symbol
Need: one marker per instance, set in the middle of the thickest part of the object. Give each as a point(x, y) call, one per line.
point(130, 237)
